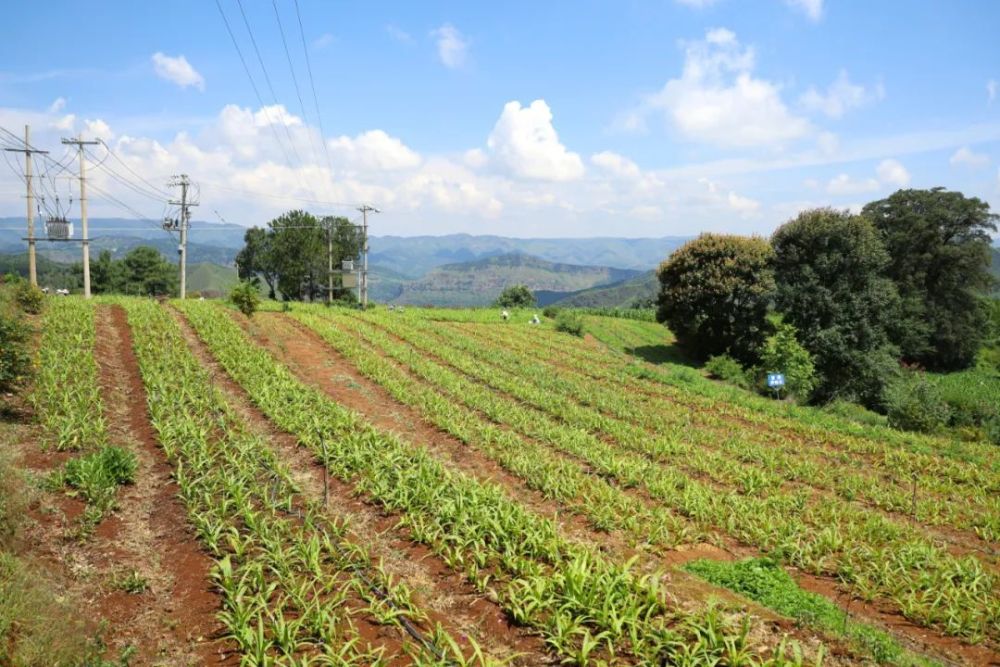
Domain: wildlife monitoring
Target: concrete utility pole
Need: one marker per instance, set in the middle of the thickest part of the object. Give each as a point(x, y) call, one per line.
point(329, 261)
point(363, 285)
point(85, 240)
point(28, 150)
point(183, 224)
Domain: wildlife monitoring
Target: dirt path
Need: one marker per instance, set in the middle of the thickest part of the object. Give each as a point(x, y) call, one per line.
point(173, 621)
point(445, 596)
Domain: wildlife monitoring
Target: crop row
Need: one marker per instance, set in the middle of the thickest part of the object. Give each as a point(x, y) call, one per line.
point(582, 603)
point(66, 396)
point(874, 556)
point(969, 464)
point(291, 578)
point(658, 428)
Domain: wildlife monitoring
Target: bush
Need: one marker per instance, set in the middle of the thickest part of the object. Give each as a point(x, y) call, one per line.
point(783, 353)
point(515, 296)
point(29, 298)
point(991, 429)
point(245, 297)
point(550, 311)
point(725, 368)
point(915, 404)
point(854, 412)
point(569, 322)
point(15, 359)
point(98, 475)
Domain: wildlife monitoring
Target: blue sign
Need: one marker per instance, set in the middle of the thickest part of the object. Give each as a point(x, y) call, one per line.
point(775, 380)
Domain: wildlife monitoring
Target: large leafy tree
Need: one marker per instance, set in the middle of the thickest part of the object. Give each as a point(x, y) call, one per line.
point(515, 296)
point(291, 254)
point(143, 271)
point(714, 294)
point(829, 269)
point(939, 257)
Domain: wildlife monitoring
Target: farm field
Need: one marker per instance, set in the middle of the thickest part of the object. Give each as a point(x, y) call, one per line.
point(324, 486)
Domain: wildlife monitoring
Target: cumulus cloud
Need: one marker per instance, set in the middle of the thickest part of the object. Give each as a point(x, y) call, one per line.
point(615, 164)
point(811, 8)
point(177, 70)
point(840, 97)
point(451, 45)
point(892, 172)
point(374, 149)
point(966, 157)
point(525, 143)
point(842, 184)
point(717, 100)
point(98, 129)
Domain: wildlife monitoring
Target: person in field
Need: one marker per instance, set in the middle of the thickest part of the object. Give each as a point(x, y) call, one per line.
point(505, 315)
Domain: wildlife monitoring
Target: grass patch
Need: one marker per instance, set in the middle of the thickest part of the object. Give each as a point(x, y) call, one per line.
point(764, 581)
point(96, 478)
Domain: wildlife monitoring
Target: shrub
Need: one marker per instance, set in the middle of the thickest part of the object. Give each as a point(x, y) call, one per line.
point(29, 298)
point(783, 353)
point(854, 412)
point(15, 359)
point(245, 297)
point(569, 322)
point(550, 311)
point(725, 368)
point(98, 475)
point(515, 296)
point(915, 404)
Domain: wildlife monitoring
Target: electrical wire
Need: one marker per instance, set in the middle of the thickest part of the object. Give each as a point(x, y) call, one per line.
point(295, 80)
point(253, 85)
point(312, 85)
point(267, 80)
point(163, 193)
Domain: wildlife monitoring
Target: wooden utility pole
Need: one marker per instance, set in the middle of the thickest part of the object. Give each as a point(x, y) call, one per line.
point(85, 240)
point(28, 150)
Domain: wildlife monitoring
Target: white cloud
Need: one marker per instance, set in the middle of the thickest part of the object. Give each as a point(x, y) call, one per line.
point(842, 184)
point(615, 164)
point(399, 34)
point(840, 97)
point(991, 90)
point(64, 123)
point(97, 129)
point(717, 100)
point(451, 45)
point(373, 150)
point(57, 105)
point(811, 8)
point(892, 172)
point(323, 41)
point(177, 70)
point(475, 158)
point(742, 205)
point(525, 143)
point(965, 156)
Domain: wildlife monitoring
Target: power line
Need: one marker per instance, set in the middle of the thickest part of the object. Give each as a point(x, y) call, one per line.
point(253, 85)
point(267, 79)
point(312, 85)
point(153, 194)
point(164, 193)
point(295, 81)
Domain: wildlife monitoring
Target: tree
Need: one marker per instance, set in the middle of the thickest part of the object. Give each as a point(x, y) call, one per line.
point(254, 261)
point(106, 275)
point(147, 272)
point(829, 268)
point(783, 353)
point(714, 294)
point(939, 257)
point(291, 255)
point(515, 296)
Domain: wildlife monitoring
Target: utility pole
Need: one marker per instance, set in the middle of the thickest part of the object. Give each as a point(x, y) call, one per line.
point(80, 143)
point(329, 261)
point(182, 224)
point(363, 286)
point(28, 150)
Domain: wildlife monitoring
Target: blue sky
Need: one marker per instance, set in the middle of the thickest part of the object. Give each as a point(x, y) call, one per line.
point(529, 119)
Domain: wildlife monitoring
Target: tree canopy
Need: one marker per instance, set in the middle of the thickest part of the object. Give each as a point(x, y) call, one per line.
point(939, 257)
point(516, 296)
point(714, 294)
point(829, 270)
point(142, 271)
point(290, 255)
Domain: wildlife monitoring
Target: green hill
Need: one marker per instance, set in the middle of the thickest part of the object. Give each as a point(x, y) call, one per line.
point(619, 295)
point(213, 279)
point(480, 282)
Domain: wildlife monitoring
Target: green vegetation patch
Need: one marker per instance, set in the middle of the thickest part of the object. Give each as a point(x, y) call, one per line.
point(764, 581)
